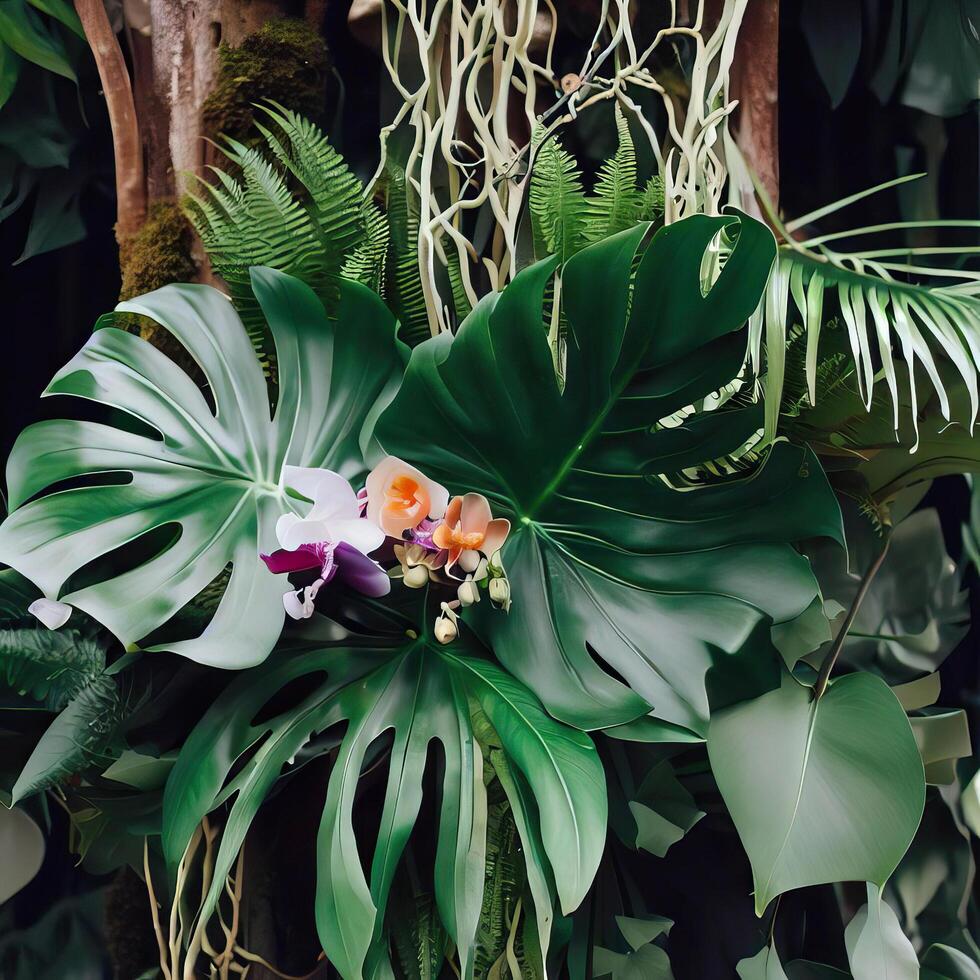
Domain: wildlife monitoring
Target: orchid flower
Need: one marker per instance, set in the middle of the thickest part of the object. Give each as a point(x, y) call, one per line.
point(331, 537)
point(468, 529)
point(400, 497)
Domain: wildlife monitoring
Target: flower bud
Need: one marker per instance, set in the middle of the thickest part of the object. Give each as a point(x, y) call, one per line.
point(445, 630)
point(469, 560)
point(416, 577)
point(468, 593)
point(500, 591)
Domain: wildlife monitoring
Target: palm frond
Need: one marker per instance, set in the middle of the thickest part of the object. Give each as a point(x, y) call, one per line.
point(915, 313)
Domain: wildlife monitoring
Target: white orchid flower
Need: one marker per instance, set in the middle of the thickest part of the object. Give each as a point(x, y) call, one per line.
point(334, 516)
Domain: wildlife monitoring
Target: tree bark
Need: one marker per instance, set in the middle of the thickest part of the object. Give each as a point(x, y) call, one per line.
point(755, 83)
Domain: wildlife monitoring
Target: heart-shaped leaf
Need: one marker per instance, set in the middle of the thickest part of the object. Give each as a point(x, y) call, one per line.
point(821, 790)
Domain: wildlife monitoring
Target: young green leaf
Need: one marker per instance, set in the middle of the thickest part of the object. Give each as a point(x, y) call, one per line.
point(821, 790)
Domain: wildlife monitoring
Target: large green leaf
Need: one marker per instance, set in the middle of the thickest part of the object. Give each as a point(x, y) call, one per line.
point(212, 475)
point(604, 556)
point(24, 32)
point(914, 613)
point(419, 692)
point(820, 790)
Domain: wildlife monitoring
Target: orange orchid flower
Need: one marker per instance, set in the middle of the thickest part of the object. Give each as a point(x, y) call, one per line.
point(400, 497)
point(469, 527)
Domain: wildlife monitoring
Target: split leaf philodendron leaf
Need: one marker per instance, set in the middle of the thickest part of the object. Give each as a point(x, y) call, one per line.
point(214, 476)
point(608, 563)
point(820, 790)
point(420, 692)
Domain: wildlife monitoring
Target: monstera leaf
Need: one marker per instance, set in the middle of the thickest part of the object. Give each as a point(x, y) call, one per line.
point(610, 565)
point(210, 475)
point(419, 692)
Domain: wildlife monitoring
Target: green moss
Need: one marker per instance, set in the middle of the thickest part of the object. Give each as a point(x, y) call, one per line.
point(285, 61)
point(160, 253)
point(157, 255)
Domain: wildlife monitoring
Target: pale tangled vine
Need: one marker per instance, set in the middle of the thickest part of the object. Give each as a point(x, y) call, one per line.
point(479, 93)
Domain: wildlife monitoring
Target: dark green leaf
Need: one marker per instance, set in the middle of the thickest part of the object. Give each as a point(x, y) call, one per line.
point(51, 666)
point(420, 692)
point(86, 733)
point(604, 556)
point(24, 32)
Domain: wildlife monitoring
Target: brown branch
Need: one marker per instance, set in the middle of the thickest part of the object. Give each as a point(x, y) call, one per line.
point(755, 84)
point(130, 185)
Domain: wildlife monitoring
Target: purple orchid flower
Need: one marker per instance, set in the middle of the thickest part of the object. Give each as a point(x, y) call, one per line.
point(331, 537)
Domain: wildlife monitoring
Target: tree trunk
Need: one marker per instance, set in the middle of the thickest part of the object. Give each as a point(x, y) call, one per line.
point(755, 83)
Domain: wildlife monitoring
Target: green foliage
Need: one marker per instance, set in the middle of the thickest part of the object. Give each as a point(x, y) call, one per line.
point(46, 160)
point(557, 202)
point(645, 960)
point(564, 219)
point(405, 285)
point(220, 473)
point(51, 667)
point(821, 789)
point(607, 557)
point(88, 732)
point(876, 943)
point(326, 231)
point(889, 306)
point(419, 691)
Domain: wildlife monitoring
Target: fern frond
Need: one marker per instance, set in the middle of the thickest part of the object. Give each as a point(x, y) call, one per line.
point(558, 206)
point(334, 193)
point(367, 263)
point(405, 285)
point(52, 667)
point(652, 202)
point(295, 207)
point(616, 202)
point(503, 887)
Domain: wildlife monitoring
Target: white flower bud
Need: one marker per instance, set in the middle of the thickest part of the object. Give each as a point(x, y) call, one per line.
point(500, 591)
point(52, 613)
point(469, 560)
point(445, 630)
point(468, 593)
point(416, 577)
